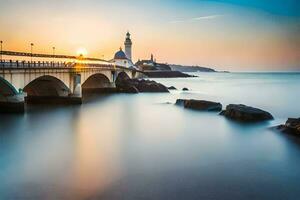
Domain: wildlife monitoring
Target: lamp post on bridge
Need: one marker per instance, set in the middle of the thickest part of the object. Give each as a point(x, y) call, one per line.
point(53, 51)
point(31, 49)
point(1, 43)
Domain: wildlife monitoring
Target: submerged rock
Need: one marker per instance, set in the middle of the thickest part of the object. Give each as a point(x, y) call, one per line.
point(291, 126)
point(127, 85)
point(172, 88)
point(199, 104)
point(245, 113)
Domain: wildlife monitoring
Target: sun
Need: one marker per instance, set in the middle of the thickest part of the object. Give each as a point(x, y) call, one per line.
point(81, 52)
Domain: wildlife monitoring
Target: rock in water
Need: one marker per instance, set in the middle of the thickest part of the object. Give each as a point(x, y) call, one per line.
point(245, 113)
point(203, 105)
point(199, 104)
point(123, 86)
point(151, 86)
point(291, 126)
point(172, 88)
point(128, 89)
point(185, 89)
point(180, 102)
point(127, 85)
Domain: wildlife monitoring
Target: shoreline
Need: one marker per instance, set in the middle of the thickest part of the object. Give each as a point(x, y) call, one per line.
point(167, 74)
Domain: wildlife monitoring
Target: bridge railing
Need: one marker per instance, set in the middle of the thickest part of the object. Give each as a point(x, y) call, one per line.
point(28, 64)
point(12, 64)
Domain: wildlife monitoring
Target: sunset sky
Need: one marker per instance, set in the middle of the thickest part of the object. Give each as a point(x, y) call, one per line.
point(235, 35)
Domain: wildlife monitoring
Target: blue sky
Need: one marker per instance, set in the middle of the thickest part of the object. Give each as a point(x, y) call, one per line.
point(277, 7)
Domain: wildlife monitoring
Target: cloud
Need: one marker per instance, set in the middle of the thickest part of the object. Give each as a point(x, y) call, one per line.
point(207, 17)
point(177, 21)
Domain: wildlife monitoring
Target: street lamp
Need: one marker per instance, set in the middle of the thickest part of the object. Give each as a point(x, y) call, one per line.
point(53, 49)
point(1, 42)
point(31, 49)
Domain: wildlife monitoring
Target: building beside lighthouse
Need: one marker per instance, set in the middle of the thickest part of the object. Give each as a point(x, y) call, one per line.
point(122, 58)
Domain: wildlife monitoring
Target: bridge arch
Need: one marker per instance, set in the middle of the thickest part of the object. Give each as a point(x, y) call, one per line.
point(6, 89)
point(97, 80)
point(47, 86)
point(122, 76)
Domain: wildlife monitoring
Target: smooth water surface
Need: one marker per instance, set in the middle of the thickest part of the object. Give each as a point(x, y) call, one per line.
point(141, 146)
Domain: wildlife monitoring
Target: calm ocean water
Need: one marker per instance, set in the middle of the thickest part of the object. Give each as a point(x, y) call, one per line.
point(139, 146)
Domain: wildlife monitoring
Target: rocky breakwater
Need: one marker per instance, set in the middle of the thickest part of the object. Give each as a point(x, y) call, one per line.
point(126, 85)
point(291, 126)
point(243, 113)
point(166, 74)
point(201, 105)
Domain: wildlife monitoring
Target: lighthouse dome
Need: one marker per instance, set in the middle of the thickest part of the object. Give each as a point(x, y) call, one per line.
point(120, 55)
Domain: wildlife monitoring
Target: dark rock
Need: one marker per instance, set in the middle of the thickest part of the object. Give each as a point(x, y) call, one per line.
point(199, 104)
point(203, 105)
point(185, 89)
point(291, 126)
point(172, 88)
point(128, 89)
point(151, 86)
point(127, 85)
point(245, 113)
point(180, 102)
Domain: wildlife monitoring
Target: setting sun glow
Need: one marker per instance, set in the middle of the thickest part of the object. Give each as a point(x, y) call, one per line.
point(81, 52)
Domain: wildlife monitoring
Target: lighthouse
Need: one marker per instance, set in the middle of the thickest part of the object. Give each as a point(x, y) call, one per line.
point(128, 46)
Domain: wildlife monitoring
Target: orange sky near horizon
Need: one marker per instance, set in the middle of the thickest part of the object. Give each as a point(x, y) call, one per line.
point(217, 35)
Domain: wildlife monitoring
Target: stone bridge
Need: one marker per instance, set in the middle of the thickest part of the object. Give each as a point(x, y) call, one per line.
point(38, 81)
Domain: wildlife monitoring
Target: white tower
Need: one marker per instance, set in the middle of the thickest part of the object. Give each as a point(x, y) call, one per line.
point(128, 46)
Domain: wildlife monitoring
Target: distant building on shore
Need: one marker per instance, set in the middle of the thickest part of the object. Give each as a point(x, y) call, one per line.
point(124, 59)
point(152, 65)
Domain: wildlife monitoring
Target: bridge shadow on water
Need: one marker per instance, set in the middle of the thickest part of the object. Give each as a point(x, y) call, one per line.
point(95, 97)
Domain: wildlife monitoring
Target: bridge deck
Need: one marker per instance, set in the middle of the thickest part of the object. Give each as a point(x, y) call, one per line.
point(76, 62)
point(39, 55)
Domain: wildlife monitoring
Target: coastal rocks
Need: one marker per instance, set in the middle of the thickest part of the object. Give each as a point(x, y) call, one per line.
point(185, 89)
point(203, 105)
point(126, 85)
point(291, 126)
point(149, 86)
point(180, 102)
point(172, 88)
point(236, 112)
point(245, 113)
point(128, 89)
point(199, 104)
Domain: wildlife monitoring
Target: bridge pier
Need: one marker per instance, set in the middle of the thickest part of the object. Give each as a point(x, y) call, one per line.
point(76, 96)
point(12, 104)
point(109, 88)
